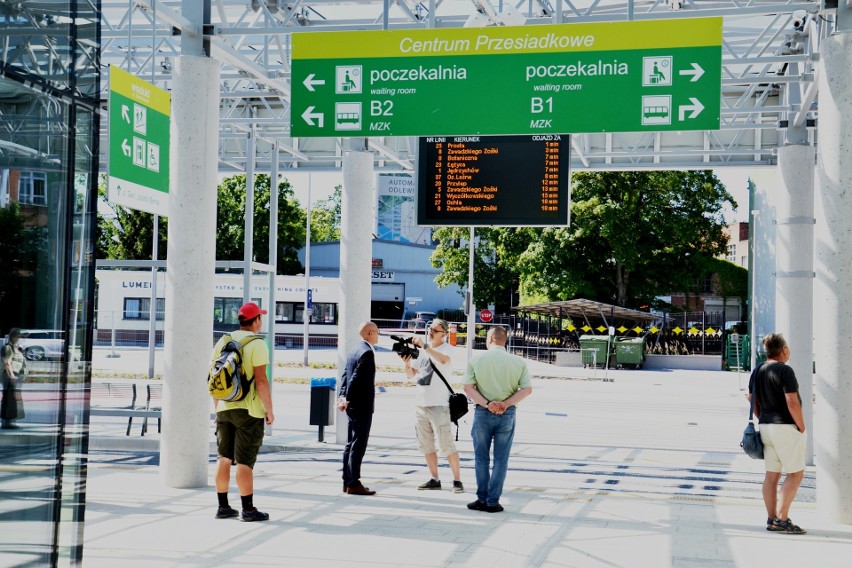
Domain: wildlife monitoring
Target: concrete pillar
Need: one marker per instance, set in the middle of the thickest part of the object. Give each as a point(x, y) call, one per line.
point(762, 231)
point(794, 274)
point(185, 442)
point(833, 284)
point(357, 221)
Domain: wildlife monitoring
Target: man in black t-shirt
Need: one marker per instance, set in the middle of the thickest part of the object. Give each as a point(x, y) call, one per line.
point(777, 404)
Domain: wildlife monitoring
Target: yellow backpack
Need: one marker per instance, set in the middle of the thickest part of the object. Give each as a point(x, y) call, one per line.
point(226, 380)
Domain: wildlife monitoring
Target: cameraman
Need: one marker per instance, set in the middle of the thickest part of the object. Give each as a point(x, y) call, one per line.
point(432, 406)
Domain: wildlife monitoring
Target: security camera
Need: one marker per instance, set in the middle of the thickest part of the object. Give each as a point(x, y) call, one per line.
point(799, 19)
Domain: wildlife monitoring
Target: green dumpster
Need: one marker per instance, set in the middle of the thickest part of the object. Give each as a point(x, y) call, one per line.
point(630, 351)
point(593, 350)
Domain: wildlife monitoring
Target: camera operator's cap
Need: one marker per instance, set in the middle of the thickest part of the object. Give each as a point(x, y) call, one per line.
point(250, 310)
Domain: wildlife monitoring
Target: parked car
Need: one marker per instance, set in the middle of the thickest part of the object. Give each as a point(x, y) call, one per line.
point(40, 344)
point(418, 321)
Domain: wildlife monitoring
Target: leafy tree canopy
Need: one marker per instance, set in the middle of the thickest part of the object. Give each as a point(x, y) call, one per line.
point(325, 217)
point(633, 236)
point(230, 222)
point(127, 234)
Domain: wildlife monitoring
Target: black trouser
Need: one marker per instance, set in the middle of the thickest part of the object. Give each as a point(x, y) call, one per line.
point(356, 445)
point(11, 407)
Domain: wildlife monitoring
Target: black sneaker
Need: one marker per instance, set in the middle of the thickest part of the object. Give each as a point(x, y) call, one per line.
point(458, 487)
point(498, 508)
point(785, 527)
point(431, 484)
point(477, 506)
point(226, 513)
point(253, 515)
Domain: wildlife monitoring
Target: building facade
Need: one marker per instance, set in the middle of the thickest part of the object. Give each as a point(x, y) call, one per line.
point(403, 278)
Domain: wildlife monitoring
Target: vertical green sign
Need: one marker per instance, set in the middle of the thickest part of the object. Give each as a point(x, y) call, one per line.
point(139, 116)
point(549, 79)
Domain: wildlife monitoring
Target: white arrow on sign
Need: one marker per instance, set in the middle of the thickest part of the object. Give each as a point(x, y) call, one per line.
point(125, 148)
point(309, 82)
point(696, 107)
point(309, 115)
point(696, 72)
point(125, 113)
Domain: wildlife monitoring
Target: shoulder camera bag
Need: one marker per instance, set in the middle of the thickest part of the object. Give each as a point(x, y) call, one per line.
point(458, 401)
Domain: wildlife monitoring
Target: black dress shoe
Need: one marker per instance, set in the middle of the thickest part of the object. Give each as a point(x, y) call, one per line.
point(360, 490)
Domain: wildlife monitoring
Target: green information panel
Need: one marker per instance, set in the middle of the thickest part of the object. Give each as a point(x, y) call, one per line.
point(138, 143)
point(551, 79)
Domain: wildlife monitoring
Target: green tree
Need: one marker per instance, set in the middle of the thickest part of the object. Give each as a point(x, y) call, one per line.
point(729, 281)
point(633, 236)
point(325, 217)
point(20, 244)
point(495, 261)
point(230, 223)
point(127, 234)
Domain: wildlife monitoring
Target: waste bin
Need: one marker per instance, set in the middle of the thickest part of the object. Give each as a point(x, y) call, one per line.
point(593, 349)
point(630, 351)
point(322, 403)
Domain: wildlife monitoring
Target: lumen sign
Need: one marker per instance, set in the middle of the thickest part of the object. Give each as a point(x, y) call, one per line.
point(552, 79)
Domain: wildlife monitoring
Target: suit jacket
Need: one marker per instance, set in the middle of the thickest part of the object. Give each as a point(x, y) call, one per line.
point(358, 383)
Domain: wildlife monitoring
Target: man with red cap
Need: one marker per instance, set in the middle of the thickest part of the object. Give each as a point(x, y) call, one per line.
point(240, 424)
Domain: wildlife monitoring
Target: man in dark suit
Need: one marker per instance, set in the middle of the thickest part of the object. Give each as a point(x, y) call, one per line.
point(357, 398)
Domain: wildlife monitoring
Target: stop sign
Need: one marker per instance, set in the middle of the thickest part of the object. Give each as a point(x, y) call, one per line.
point(486, 315)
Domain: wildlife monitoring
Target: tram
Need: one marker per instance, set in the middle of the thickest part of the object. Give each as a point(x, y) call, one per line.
point(123, 300)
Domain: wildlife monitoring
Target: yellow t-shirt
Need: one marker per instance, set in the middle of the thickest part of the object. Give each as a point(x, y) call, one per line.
point(255, 354)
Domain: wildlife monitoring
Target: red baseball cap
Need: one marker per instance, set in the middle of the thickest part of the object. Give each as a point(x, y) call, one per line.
point(250, 310)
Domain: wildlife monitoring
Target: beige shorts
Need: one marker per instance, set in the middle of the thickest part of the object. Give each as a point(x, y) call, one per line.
point(783, 448)
point(432, 421)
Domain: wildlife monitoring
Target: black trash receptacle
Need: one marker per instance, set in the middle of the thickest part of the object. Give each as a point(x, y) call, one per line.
point(322, 403)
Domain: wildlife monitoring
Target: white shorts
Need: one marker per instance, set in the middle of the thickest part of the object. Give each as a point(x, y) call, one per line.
point(783, 448)
point(434, 421)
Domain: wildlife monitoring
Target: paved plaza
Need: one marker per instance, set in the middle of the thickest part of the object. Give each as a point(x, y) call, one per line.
point(609, 469)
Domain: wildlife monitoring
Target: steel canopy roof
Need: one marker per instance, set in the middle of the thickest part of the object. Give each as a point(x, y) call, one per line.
point(582, 308)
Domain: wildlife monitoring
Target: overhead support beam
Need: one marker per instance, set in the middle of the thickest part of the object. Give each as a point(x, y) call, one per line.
point(579, 151)
point(807, 100)
point(166, 14)
point(220, 50)
point(390, 154)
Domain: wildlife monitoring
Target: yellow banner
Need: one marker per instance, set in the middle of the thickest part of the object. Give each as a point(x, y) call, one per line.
point(555, 38)
point(142, 92)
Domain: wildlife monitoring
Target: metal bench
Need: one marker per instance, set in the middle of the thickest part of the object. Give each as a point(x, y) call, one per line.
point(118, 399)
point(154, 404)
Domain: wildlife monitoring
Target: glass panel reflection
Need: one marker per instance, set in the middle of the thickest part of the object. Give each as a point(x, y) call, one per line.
point(48, 165)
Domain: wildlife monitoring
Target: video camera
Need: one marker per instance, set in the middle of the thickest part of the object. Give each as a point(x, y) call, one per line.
point(404, 347)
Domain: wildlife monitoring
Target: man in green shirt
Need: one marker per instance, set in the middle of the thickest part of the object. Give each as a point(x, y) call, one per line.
point(240, 424)
point(496, 381)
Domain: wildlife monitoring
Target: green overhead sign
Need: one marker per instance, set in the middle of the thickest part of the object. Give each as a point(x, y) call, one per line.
point(567, 78)
point(138, 143)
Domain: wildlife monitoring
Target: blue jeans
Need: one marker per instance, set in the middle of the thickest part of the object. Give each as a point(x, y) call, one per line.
point(488, 427)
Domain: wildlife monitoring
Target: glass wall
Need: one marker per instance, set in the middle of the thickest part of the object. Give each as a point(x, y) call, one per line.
point(49, 82)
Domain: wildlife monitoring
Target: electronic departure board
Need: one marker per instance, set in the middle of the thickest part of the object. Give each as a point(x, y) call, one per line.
point(493, 180)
